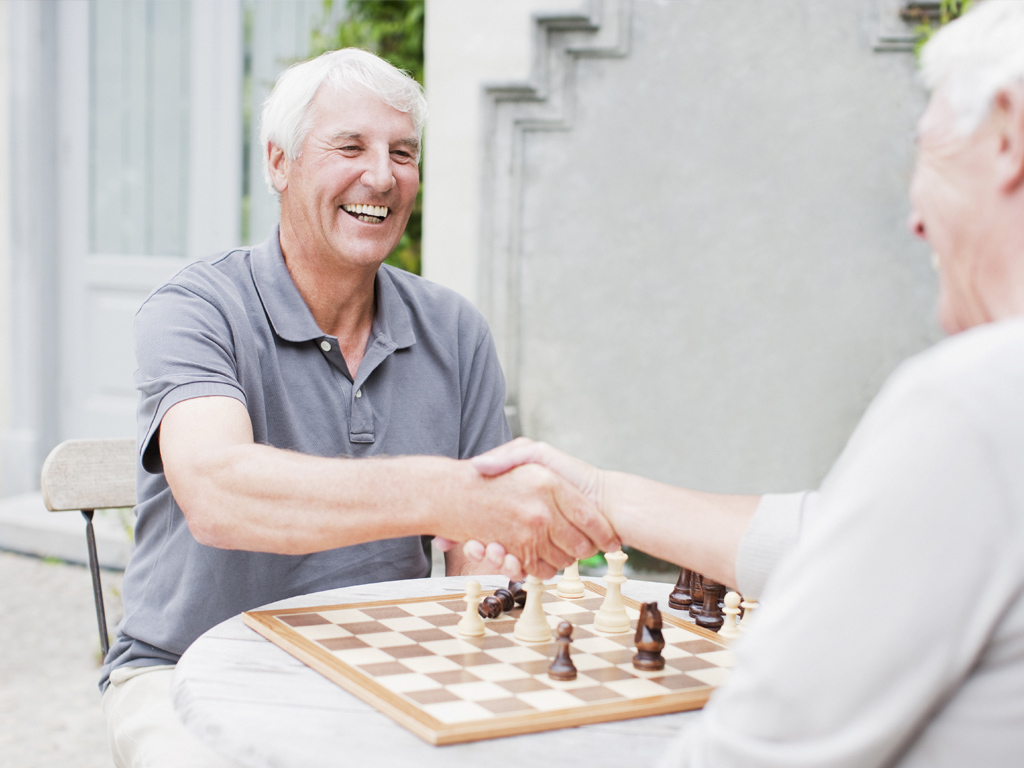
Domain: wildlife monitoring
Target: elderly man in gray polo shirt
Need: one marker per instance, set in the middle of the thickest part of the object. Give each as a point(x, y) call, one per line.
point(260, 368)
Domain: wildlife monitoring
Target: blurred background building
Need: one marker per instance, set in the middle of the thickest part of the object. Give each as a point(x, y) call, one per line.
point(684, 219)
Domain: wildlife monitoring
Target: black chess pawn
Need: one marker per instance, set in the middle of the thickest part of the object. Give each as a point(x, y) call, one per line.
point(562, 667)
point(492, 606)
point(518, 593)
point(696, 593)
point(710, 614)
point(649, 639)
point(681, 599)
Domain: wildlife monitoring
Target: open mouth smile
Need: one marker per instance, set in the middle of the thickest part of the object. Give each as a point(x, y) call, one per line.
point(370, 214)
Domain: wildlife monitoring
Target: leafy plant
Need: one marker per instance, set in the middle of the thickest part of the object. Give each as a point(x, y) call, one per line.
point(929, 18)
point(392, 29)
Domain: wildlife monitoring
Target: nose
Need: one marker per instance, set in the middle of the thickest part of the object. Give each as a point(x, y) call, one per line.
point(916, 225)
point(377, 175)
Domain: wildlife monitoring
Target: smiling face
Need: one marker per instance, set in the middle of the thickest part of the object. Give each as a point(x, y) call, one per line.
point(950, 199)
point(346, 199)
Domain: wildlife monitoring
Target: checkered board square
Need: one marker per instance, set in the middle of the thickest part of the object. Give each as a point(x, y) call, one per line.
point(407, 659)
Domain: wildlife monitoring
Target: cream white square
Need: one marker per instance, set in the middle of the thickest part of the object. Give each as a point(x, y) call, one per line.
point(408, 683)
point(425, 609)
point(427, 664)
point(636, 688)
point(450, 647)
point(385, 639)
point(515, 654)
point(499, 672)
point(585, 661)
point(356, 656)
point(458, 711)
point(596, 645)
point(406, 624)
point(549, 700)
point(710, 676)
point(718, 658)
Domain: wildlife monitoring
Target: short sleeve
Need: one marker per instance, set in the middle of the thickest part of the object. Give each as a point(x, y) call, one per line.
point(484, 425)
point(183, 349)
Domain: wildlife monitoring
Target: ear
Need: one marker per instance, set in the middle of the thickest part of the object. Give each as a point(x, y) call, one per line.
point(278, 165)
point(1008, 114)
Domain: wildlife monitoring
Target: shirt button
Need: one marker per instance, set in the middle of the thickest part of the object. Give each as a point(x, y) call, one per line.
point(325, 346)
point(359, 393)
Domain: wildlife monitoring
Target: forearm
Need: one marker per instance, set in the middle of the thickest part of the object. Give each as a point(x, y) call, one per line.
point(701, 531)
point(258, 498)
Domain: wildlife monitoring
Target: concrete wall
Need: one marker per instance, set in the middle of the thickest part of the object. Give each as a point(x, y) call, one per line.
point(5, 230)
point(691, 230)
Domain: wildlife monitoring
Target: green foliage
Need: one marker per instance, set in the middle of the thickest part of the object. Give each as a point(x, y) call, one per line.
point(948, 10)
point(393, 29)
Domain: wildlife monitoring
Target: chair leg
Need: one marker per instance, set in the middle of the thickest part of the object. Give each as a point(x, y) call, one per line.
point(97, 587)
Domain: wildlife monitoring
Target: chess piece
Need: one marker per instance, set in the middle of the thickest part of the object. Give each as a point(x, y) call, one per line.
point(532, 625)
point(748, 606)
point(562, 667)
point(709, 615)
point(649, 639)
point(680, 598)
point(731, 626)
point(471, 625)
point(492, 606)
point(696, 593)
point(612, 617)
point(570, 586)
point(518, 593)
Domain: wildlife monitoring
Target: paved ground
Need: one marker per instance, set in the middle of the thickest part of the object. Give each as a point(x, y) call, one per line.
point(49, 659)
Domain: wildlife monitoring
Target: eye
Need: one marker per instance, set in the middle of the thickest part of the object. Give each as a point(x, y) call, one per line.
point(401, 155)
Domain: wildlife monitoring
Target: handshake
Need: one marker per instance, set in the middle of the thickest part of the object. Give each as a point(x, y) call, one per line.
point(546, 512)
point(531, 509)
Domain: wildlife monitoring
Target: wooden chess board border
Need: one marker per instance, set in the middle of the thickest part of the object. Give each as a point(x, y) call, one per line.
point(438, 733)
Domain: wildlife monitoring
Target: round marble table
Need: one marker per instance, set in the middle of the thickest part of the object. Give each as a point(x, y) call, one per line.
point(257, 704)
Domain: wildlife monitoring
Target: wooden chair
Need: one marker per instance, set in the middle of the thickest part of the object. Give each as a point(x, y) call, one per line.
point(88, 475)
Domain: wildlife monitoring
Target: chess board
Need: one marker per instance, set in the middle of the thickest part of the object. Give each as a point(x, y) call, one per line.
point(406, 658)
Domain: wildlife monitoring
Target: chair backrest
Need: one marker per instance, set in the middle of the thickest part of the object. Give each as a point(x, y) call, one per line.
point(89, 474)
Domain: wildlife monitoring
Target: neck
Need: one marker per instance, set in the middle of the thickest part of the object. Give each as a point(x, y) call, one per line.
point(340, 298)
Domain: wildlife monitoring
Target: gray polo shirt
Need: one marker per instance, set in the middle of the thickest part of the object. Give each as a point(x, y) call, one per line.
point(237, 326)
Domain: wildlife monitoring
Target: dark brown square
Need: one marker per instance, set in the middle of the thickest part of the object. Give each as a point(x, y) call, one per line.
point(342, 643)
point(623, 638)
point(426, 635)
point(699, 646)
point(489, 643)
point(453, 677)
point(458, 606)
point(435, 696)
point(472, 659)
point(523, 685)
point(443, 620)
point(590, 603)
point(678, 682)
point(303, 619)
point(366, 627)
point(608, 674)
point(506, 706)
point(407, 651)
point(384, 668)
point(687, 663)
point(502, 626)
point(538, 667)
point(617, 657)
point(597, 693)
point(386, 612)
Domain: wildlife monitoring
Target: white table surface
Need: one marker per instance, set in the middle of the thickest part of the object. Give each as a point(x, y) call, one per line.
point(259, 705)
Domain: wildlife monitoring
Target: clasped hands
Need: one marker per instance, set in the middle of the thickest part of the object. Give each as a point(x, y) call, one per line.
point(578, 526)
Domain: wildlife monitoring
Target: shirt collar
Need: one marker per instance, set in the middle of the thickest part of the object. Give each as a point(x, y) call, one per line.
point(290, 316)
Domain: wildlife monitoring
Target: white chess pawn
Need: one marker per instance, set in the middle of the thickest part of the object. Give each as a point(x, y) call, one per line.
point(532, 626)
point(748, 606)
point(731, 628)
point(471, 624)
point(612, 616)
point(570, 586)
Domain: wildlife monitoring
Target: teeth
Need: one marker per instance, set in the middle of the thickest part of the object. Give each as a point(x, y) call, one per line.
point(379, 211)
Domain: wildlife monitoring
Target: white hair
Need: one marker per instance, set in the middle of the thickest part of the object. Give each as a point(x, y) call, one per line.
point(976, 56)
point(285, 120)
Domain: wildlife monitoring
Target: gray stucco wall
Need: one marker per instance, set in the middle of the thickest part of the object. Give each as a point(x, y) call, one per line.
point(714, 273)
